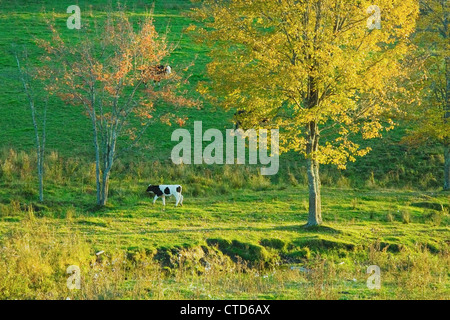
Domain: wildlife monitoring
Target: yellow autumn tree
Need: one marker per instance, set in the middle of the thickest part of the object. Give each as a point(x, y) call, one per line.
point(430, 118)
point(322, 71)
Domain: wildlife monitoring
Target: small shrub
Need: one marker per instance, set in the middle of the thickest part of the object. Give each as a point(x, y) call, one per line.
point(221, 189)
point(326, 179)
point(435, 217)
point(354, 203)
point(247, 251)
point(292, 180)
point(389, 217)
point(259, 183)
point(429, 205)
point(371, 183)
point(274, 243)
point(406, 217)
point(4, 210)
point(300, 253)
point(71, 168)
point(305, 205)
point(196, 190)
point(343, 182)
point(428, 180)
point(7, 170)
point(234, 177)
point(15, 208)
point(342, 253)
point(28, 191)
point(71, 213)
point(24, 166)
point(30, 212)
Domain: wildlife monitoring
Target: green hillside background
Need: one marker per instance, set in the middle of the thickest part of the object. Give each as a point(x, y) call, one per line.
point(391, 162)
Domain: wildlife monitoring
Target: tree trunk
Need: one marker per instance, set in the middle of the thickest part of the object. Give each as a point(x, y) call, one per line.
point(109, 150)
point(446, 119)
point(312, 148)
point(40, 147)
point(315, 208)
point(40, 151)
point(447, 167)
point(105, 188)
point(93, 116)
point(41, 155)
point(97, 163)
point(41, 178)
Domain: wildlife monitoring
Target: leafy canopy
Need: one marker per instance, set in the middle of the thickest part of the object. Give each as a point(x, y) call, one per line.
point(106, 70)
point(430, 117)
point(303, 62)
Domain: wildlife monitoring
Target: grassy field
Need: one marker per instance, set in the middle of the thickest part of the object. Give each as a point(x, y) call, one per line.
point(239, 235)
point(261, 231)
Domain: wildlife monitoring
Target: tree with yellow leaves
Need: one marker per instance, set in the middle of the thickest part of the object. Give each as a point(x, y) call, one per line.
point(431, 118)
point(102, 71)
point(322, 71)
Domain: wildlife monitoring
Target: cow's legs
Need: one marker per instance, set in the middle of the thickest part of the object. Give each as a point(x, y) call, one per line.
point(164, 200)
point(177, 198)
point(181, 200)
point(154, 199)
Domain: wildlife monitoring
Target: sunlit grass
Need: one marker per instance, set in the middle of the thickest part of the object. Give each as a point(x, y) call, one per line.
point(35, 255)
point(169, 253)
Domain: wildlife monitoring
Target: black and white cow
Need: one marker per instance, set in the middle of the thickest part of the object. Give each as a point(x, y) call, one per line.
point(163, 191)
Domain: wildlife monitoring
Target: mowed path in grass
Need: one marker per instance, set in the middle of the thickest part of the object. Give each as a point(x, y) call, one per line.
point(351, 218)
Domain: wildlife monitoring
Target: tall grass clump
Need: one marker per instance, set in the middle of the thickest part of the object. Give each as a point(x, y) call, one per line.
point(33, 260)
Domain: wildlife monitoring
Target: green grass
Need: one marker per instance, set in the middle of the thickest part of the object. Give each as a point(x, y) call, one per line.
point(252, 216)
point(68, 129)
point(255, 230)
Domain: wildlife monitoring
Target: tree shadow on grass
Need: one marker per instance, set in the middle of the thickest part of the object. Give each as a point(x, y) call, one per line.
point(320, 229)
point(298, 228)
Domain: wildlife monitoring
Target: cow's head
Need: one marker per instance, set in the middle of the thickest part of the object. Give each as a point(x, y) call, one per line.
point(168, 70)
point(151, 188)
